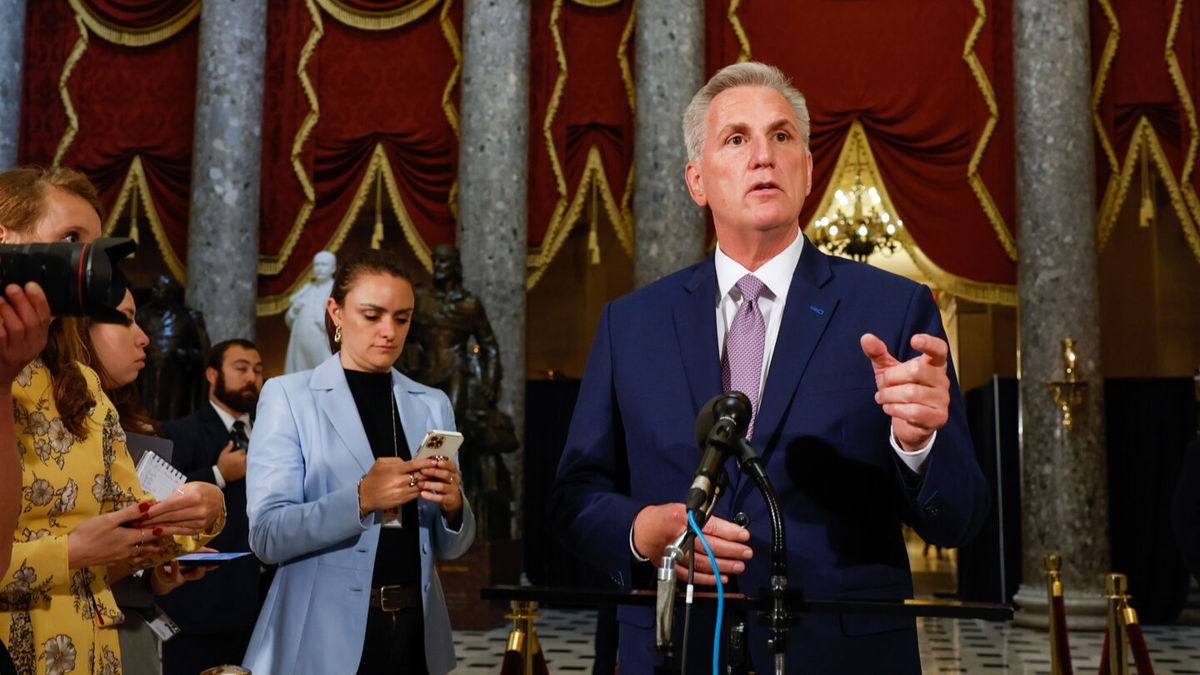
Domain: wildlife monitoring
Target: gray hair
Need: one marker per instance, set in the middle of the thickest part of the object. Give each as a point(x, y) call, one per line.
point(749, 74)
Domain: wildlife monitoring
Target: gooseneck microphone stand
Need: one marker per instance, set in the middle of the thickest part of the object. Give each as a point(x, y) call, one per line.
point(752, 465)
point(676, 552)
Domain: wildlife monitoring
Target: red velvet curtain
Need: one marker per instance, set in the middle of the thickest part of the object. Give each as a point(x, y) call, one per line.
point(897, 67)
point(136, 15)
point(592, 111)
point(373, 88)
point(1138, 85)
point(128, 101)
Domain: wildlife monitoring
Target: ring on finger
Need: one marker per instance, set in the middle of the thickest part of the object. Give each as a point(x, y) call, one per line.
point(412, 480)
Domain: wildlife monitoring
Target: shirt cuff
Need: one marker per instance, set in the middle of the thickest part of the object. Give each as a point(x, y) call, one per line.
point(915, 461)
point(636, 556)
point(221, 479)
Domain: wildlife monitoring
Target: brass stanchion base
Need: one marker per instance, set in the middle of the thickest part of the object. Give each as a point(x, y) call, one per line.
point(1085, 611)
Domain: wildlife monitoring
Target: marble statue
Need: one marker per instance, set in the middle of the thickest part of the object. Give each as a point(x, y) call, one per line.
point(308, 345)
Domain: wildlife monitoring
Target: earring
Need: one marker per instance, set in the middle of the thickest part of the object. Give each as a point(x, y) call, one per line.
point(337, 335)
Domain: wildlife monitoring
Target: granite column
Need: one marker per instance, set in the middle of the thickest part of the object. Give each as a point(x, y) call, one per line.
point(493, 171)
point(12, 56)
point(223, 225)
point(668, 226)
point(1064, 489)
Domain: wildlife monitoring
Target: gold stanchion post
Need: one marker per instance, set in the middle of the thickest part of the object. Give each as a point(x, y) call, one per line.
point(524, 653)
point(1118, 662)
point(1060, 650)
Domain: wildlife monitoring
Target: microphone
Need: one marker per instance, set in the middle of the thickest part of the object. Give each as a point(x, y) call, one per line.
point(720, 423)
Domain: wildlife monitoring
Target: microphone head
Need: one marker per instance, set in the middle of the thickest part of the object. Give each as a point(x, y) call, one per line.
point(733, 405)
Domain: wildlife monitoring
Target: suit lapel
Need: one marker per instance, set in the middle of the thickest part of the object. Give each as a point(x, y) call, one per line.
point(214, 436)
point(696, 334)
point(413, 415)
point(811, 302)
point(334, 399)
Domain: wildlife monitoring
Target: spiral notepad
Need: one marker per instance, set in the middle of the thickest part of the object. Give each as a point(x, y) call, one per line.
point(158, 477)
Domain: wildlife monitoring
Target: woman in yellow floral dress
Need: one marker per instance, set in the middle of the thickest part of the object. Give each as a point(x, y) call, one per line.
point(84, 519)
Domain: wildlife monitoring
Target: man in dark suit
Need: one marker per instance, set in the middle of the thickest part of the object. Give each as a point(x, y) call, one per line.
point(855, 440)
point(216, 614)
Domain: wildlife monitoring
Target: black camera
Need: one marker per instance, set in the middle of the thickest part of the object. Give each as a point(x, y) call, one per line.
point(78, 279)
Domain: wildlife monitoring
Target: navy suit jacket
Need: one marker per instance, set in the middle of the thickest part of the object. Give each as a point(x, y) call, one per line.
point(226, 600)
point(823, 439)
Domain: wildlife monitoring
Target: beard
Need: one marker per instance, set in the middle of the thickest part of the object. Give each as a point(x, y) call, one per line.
point(243, 400)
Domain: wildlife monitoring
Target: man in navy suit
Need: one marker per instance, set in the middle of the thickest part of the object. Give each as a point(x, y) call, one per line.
point(857, 414)
point(216, 614)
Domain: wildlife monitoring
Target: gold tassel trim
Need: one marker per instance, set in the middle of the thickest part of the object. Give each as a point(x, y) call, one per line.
point(539, 258)
point(1144, 140)
point(989, 97)
point(64, 93)
point(1106, 60)
point(738, 30)
point(597, 3)
point(388, 20)
point(273, 264)
point(136, 37)
point(379, 169)
point(136, 187)
point(1189, 109)
point(623, 59)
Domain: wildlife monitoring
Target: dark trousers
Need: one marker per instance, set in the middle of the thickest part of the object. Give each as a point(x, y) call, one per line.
point(188, 654)
point(395, 643)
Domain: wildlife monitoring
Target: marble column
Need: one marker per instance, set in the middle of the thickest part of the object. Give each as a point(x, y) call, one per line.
point(493, 186)
point(1064, 490)
point(668, 226)
point(222, 256)
point(12, 56)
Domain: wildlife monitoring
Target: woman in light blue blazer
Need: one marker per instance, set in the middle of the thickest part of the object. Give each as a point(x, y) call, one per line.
point(333, 498)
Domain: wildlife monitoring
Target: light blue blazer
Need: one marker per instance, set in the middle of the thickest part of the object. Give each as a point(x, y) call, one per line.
point(307, 454)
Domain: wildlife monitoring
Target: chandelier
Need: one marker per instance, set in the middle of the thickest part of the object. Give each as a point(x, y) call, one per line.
point(857, 225)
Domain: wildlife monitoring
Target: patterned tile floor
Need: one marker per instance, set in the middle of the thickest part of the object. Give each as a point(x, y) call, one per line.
point(947, 646)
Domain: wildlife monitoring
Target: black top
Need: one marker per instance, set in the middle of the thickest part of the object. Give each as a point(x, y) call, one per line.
point(398, 558)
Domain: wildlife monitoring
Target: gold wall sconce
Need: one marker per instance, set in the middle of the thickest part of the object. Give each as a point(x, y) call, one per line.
point(1068, 392)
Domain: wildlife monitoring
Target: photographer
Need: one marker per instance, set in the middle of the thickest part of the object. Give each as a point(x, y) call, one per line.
point(56, 605)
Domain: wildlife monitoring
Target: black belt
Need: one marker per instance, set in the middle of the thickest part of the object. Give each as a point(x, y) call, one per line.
point(395, 598)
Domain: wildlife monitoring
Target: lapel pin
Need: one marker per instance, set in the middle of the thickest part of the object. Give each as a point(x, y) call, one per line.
point(816, 309)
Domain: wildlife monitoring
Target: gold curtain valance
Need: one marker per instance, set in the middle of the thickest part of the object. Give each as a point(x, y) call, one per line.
point(364, 19)
point(133, 34)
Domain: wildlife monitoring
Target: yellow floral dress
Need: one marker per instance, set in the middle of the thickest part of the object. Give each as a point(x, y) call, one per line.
point(55, 620)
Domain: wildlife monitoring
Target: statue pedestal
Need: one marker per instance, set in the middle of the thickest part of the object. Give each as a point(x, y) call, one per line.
point(488, 563)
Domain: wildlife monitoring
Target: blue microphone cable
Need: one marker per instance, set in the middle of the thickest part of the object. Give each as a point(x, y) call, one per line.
point(720, 593)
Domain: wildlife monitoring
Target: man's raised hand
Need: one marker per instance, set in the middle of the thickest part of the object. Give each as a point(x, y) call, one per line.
point(914, 393)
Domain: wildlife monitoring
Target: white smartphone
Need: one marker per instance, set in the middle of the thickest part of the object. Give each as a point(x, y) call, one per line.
point(441, 444)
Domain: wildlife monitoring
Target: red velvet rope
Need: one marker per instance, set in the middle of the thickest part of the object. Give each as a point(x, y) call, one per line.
point(1060, 634)
point(1137, 645)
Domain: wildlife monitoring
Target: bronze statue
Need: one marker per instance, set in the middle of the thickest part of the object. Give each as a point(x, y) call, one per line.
point(452, 347)
point(172, 383)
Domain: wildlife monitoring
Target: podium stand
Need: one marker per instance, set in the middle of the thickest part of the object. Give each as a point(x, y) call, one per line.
point(524, 600)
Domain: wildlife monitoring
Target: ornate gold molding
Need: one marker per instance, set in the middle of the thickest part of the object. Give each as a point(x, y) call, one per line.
point(135, 186)
point(856, 154)
point(379, 170)
point(131, 37)
point(989, 97)
point(64, 94)
point(365, 20)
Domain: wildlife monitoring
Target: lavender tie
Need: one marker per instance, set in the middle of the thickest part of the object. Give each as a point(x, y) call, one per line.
point(741, 370)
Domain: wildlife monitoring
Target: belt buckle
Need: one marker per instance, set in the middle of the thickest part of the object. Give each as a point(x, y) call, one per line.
point(383, 602)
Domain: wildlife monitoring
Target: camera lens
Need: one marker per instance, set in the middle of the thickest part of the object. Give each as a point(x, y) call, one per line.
point(78, 279)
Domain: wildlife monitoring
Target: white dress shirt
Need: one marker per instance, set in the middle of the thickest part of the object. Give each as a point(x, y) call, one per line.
point(228, 421)
point(776, 275)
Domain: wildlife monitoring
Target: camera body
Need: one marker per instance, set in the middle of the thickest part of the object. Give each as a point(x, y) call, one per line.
point(79, 279)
